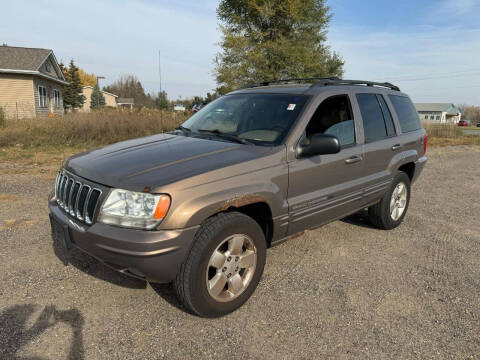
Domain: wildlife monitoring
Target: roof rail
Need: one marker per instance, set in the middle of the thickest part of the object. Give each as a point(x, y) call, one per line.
point(286, 81)
point(337, 81)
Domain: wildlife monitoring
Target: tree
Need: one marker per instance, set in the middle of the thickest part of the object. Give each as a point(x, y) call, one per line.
point(129, 86)
point(72, 93)
point(97, 98)
point(273, 39)
point(87, 79)
point(161, 102)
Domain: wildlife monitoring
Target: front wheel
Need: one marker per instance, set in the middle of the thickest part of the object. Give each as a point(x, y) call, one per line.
point(223, 267)
point(390, 211)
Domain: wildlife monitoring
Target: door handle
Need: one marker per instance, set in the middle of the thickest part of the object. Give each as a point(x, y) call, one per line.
point(396, 147)
point(353, 159)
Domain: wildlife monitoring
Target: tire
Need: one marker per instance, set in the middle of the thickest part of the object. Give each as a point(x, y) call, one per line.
point(380, 214)
point(201, 275)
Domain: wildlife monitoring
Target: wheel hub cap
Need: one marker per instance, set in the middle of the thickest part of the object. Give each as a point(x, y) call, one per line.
point(231, 268)
point(398, 201)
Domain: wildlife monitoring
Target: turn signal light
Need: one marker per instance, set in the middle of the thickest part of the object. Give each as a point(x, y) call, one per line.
point(162, 207)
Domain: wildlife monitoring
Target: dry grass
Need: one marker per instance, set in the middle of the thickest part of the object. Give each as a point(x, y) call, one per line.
point(449, 134)
point(86, 130)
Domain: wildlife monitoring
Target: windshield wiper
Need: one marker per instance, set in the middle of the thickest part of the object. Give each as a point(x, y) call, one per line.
point(225, 136)
point(185, 130)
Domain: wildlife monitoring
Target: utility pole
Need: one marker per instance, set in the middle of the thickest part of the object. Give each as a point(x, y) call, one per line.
point(160, 83)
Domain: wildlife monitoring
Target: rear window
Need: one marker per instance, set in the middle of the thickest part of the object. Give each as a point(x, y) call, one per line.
point(373, 121)
point(407, 114)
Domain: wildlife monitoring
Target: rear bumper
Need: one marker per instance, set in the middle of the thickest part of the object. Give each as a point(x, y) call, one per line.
point(419, 165)
point(154, 256)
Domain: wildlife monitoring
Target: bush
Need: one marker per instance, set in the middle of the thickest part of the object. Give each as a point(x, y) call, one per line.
point(96, 128)
point(3, 118)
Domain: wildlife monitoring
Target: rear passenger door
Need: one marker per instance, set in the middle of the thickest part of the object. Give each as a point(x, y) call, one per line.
point(381, 147)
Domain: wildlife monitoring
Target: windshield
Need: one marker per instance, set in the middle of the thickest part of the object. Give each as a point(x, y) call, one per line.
point(259, 118)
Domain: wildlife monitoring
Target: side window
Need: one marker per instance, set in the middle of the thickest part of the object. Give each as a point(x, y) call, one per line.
point(333, 116)
point(387, 116)
point(407, 114)
point(42, 96)
point(373, 122)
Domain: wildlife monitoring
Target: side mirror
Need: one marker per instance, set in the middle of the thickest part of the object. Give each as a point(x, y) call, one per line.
point(320, 144)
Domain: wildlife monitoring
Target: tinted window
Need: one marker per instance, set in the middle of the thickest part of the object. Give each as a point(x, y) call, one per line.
point(373, 123)
point(261, 118)
point(333, 116)
point(407, 115)
point(387, 116)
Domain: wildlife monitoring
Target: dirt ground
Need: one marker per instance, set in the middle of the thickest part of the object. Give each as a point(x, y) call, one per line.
point(343, 291)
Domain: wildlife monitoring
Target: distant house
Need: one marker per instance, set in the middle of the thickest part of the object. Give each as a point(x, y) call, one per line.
point(110, 99)
point(125, 102)
point(442, 113)
point(30, 82)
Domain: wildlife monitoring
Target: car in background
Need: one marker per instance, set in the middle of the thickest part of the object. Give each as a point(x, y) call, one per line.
point(198, 106)
point(462, 123)
point(478, 124)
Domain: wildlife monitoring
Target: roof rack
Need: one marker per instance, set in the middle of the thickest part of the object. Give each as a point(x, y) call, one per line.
point(286, 81)
point(325, 81)
point(337, 81)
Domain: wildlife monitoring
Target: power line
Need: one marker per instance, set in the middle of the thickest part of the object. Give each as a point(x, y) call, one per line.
point(437, 77)
point(437, 74)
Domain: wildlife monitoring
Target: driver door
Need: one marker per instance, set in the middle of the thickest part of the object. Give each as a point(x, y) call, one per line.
point(326, 187)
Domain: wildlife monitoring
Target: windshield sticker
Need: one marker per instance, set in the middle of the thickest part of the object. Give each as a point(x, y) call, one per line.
point(291, 107)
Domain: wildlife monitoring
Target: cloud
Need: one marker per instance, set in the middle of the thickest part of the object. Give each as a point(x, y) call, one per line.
point(457, 7)
point(112, 38)
point(431, 64)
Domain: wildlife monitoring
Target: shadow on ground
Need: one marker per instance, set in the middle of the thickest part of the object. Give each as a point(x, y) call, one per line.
point(15, 334)
point(95, 268)
point(359, 219)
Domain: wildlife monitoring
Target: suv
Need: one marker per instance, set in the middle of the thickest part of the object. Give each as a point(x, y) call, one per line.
point(199, 206)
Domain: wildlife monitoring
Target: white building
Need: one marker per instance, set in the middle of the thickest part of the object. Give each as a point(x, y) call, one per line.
point(441, 113)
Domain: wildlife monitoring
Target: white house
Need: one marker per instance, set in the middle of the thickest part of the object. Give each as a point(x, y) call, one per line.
point(441, 113)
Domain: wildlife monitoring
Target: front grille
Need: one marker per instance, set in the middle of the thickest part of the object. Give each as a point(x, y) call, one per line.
point(76, 198)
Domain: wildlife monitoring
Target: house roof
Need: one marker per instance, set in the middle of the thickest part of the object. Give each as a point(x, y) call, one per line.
point(434, 107)
point(21, 60)
point(103, 92)
point(126, 101)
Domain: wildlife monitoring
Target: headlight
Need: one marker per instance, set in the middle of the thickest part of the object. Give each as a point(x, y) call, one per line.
point(133, 209)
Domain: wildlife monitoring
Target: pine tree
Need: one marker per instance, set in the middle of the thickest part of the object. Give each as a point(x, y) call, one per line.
point(274, 39)
point(72, 93)
point(161, 102)
point(97, 98)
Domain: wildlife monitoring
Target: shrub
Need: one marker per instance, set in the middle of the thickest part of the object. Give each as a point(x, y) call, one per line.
point(3, 118)
point(96, 128)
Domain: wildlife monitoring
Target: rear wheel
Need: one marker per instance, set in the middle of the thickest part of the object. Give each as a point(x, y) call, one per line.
point(223, 267)
point(390, 211)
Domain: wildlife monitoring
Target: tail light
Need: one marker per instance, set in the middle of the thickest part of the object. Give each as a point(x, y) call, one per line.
point(425, 141)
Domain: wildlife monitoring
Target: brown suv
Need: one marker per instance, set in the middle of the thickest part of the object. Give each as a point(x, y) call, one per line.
point(200, 205)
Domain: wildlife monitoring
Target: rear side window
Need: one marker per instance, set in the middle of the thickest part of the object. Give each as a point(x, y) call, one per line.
point(407, 114)
point(387, 116)
point(372, 115)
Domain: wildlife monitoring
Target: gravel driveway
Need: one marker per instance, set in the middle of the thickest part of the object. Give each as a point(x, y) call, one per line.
point(345, 290)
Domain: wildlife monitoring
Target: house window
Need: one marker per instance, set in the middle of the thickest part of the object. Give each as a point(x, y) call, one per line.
point(42, 96)
point(431, 117)
point(438, 117)
point(56, 98)
point(426, 117)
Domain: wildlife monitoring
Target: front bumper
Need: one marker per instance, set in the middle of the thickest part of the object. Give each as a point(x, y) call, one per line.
point(154, 256)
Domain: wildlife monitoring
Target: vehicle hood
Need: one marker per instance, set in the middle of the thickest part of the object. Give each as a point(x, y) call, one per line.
point(146, 163)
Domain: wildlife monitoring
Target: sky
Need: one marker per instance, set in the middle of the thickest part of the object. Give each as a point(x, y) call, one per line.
point(429, 48)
